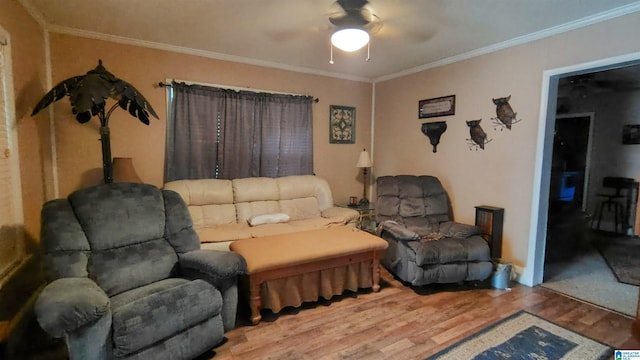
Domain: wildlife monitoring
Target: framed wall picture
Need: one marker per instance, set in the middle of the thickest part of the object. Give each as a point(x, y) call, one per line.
point(342, 124)
point(441, 106)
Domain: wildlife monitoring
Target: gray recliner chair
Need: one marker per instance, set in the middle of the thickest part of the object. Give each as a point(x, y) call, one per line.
point(425, 244)
point(129, 280)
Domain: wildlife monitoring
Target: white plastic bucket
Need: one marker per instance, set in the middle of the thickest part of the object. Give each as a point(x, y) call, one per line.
point(501, 275)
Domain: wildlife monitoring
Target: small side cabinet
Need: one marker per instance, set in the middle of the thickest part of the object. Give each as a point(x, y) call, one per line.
point(489, 219)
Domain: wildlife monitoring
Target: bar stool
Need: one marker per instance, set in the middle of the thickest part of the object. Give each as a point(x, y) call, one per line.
point(611, 201)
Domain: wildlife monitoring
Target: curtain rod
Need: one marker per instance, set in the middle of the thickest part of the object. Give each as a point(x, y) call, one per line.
point(315, 99)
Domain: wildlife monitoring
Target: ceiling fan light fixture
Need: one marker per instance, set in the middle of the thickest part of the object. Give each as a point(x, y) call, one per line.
point(350, 39)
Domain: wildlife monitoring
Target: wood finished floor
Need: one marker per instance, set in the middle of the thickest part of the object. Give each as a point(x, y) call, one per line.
point(404, 323)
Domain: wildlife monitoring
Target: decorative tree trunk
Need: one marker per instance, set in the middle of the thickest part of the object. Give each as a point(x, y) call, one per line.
point(87, 95)
point(107, 167)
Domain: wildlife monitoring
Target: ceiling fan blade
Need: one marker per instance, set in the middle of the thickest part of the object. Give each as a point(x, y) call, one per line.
point(395, 30)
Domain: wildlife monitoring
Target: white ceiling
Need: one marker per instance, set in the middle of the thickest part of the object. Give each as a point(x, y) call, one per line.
point(294, 34)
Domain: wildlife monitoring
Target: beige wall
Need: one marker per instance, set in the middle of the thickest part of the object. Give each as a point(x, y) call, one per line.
point(79, 152)
point(29, 79)
point(502, 174)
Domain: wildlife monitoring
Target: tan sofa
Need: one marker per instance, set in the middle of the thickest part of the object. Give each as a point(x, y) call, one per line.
point(221, 209)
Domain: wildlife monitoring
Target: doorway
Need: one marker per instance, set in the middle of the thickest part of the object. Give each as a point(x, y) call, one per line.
point(571, 162)
point(578, 89)
point(567, 216)
point(533, 274)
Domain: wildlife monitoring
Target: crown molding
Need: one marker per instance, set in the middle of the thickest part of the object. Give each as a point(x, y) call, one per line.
point(573, 25)
point(196, 52)
point(35, 13)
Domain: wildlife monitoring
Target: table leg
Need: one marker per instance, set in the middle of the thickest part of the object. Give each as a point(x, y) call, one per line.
point(254, 300)
point(376, 274)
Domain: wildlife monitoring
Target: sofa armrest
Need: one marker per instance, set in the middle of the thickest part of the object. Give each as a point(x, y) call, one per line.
point(346, 215)
point(397, 230)
point(212, 265)
point(67, 304)
point(454, 229)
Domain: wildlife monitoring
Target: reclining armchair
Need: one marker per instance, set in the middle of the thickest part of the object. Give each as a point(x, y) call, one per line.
point(425, 244)
point(129, 280)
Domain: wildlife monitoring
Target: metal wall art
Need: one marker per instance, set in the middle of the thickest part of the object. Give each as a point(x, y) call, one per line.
point(478, 136)
point(505, 114)
point(441, 106)
point(434, 130)
point(342, 124)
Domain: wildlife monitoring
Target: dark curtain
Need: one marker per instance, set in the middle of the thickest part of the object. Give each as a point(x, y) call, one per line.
point(220, 133)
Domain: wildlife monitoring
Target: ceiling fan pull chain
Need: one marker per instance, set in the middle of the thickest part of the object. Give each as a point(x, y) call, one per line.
point(368, 59)
point(331, 59)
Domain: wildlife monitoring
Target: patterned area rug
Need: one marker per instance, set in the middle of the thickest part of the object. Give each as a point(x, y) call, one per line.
point(622, 254)
point(526, 336)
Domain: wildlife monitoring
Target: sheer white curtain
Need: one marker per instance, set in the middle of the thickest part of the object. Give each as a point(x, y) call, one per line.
point(221, 133)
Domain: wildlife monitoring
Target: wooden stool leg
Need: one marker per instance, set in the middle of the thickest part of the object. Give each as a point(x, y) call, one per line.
point(600, 214)
point(255, 300)
point(621, 219)
point(616, 209)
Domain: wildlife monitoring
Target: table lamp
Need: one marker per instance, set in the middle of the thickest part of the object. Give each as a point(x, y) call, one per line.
point(123, 170)
point(364, 162)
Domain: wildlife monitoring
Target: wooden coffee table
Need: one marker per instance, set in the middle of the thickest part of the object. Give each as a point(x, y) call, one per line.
point(281, 256)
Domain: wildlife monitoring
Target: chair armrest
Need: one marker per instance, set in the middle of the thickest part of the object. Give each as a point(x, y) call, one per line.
point(212, 265)
point(398, 231)
point(454, 229)
point(345, 214)
point(67, 304)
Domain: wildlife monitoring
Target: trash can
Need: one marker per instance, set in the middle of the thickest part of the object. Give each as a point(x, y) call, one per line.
point(501, 274)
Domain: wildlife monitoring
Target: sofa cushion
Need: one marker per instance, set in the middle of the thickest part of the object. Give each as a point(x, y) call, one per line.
point(119, 215)
point(272, 229)
point(450, 250)
point(387, 207)
point(255, 189)
point(205, 215)
point(301, 208)
point(203, 191)
point(120, 269)
point(246, 210)
point(157, 311)
point(217, 233)
point(345, 215)
point(411, 207)
point(304, 186)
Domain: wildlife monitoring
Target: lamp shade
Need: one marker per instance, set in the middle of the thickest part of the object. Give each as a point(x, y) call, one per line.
point(350, 39)
point(123, 170)
point(364, 161)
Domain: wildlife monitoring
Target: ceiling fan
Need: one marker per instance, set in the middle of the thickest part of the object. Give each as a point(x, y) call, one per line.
point(355, 13)
point(361, 17)
point(354, 24)
point(584, 84)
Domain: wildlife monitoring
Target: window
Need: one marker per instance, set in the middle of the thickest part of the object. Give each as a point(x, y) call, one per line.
point(222, 133)
point(11, 218)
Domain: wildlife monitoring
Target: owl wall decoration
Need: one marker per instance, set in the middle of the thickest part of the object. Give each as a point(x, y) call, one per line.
point(478, 136)
point(505, 114)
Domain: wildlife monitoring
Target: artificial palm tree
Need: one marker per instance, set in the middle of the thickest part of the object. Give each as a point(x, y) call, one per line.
point(87, 95)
